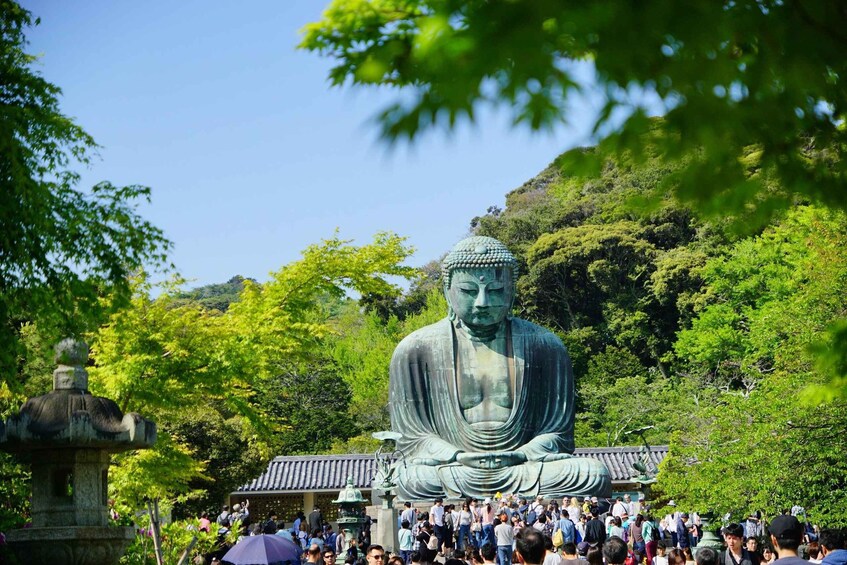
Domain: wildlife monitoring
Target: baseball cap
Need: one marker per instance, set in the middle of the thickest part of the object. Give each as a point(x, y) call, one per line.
point(787, 528)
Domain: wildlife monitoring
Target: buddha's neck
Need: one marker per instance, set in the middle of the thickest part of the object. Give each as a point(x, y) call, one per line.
point(481, 333)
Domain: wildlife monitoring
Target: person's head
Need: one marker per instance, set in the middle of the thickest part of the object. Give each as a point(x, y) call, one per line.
point(614, 550)
point(706, 556)
point(488, 552)
point(786, 533)
point(569, 549)
point(329, 556)
point(407, 504)
point(830, 540)
point(479, 277)
point(767, 554)
point(465, 506)
point(627, 498)
point(687, 552)
point(396, 560)
point(617, 520)
point(438, 502)
point(594, 556)
point(542, 518)
point(574, 501)
point(216, 561)
point(676, 557)
point(375, 554)
point(314, 552)
point(405, 524)
point(752, 544)
point(548, 543)
point(416, 557)
point(530, 546)
point(272, 515)
point(732, 535)
point(661, 548)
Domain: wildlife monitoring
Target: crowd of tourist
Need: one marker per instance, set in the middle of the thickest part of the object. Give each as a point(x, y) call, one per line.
point(586, 532)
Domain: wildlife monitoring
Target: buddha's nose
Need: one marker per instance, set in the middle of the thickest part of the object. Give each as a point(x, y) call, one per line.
point(481, 299)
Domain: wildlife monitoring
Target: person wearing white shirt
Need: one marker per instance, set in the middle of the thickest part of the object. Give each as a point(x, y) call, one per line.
point(436, 516)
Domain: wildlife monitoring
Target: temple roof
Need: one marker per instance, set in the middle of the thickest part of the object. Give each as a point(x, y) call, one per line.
point(308, 473)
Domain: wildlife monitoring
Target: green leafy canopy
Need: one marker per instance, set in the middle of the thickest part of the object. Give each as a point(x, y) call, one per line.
point(61, 248)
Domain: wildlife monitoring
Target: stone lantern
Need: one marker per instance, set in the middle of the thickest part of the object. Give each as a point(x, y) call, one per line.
point(351, 512)
point(68, 435)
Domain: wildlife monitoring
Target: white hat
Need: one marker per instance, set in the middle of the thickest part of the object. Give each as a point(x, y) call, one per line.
point(236, 507)
point(487, 501)
point(671, 503)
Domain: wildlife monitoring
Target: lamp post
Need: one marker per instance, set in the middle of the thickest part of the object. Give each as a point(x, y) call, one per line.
point(386, 459)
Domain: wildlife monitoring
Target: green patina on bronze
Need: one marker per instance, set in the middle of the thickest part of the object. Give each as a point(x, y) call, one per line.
point(484, 401)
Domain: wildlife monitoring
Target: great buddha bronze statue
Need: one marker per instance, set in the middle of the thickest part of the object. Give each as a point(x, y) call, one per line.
point(485, 401)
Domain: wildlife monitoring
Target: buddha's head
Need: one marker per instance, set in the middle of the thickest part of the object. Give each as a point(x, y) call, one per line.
point(479, 277)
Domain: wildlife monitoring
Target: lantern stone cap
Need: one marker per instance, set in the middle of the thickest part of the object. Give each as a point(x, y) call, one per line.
point(350, 494)
point(70, 416)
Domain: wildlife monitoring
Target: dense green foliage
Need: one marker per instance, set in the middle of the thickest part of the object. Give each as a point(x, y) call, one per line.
point(728, 75)
point(61, 248)
point(231, 389)
point(748, 351)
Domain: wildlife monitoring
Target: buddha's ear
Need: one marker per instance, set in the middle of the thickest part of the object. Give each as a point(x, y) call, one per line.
point(451, 314)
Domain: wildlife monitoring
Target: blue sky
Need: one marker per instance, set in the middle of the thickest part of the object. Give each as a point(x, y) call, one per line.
point(250, 155)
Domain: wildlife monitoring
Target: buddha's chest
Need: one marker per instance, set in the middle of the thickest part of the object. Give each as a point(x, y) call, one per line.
point(484, 381)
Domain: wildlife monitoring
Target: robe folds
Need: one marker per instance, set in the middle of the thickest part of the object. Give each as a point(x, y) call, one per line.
point(425, 409)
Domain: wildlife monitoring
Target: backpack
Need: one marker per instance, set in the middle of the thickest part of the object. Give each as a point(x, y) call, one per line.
point(531, 518)
point(223, 519)
point(432, 543)
point(654, 533)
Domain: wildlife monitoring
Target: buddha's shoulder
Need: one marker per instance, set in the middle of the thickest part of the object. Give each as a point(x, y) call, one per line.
point(527, 329)
point(425, 337)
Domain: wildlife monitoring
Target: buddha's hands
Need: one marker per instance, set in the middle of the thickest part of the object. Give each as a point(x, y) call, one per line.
point(491, 459)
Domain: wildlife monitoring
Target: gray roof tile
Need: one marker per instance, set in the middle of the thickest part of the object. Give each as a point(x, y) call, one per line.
point(329, 472)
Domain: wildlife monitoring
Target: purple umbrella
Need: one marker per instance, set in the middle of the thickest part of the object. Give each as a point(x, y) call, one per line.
point(263, 550)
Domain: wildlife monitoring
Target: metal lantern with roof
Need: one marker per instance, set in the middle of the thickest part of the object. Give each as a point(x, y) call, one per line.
point(351, 512)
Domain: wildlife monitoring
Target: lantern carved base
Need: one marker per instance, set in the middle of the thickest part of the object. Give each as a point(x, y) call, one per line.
point(81, 545)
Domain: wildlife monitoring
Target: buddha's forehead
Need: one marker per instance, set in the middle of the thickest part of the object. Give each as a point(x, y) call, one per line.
point(481, 274)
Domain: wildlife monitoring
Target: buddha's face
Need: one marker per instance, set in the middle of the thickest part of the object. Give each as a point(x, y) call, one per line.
point(481, 297)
